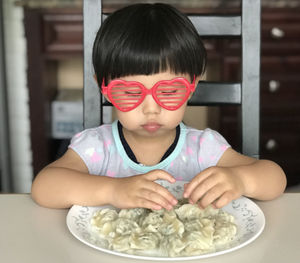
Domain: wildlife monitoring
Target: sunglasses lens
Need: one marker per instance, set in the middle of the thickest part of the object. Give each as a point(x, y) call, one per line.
point(125, 98)
point(172, 96)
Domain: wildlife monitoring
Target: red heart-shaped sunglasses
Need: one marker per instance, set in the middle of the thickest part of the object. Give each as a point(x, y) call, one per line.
point(169, 94)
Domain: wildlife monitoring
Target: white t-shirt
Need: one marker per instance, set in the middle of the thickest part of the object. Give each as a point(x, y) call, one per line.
point(103, 153)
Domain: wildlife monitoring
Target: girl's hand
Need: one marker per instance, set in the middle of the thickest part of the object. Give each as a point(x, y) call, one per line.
point(142, 191)
point(215, 185)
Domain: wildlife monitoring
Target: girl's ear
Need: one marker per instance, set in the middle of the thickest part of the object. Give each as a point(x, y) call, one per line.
point(105, 96)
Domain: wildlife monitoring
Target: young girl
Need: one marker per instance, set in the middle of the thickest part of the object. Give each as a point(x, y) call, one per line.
point(148, 59)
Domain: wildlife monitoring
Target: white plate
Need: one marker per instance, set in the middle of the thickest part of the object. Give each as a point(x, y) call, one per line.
point(248, 217)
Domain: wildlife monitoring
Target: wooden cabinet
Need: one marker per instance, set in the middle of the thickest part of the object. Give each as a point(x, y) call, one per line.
point(280, 90)
point(52, 36)
point(62, 33)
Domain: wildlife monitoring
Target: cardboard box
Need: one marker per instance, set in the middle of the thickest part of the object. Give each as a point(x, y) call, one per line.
point(67, 114)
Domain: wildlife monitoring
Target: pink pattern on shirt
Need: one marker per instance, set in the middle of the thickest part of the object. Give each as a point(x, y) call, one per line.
point(107, 143)
point(201, 140)
point(212, 157)
point(96, 157)
point(189, 151)
point(179, 178)
point(78, 135)
point(111, 173)
point(224, 147)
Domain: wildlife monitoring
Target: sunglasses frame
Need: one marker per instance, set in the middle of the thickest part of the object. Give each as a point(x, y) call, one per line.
point(106, 91)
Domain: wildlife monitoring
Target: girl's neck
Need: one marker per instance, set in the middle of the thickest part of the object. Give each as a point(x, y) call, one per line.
point(144, 147)
point(148, 141)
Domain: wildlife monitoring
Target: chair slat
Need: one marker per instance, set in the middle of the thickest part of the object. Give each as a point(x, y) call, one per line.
point(216, 93)
point(217, 25)
point(251, 11)
point(91, 97)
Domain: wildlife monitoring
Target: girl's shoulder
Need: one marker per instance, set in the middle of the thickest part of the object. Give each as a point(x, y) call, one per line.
point(207, 145)
point(207, 140)
point(93, 146)
point(92, 136)
point(207, 133)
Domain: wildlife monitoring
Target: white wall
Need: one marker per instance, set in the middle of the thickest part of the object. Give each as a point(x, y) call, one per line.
point(19, 125)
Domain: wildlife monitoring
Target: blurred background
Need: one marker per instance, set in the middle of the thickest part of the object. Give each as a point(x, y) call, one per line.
point(41, 81)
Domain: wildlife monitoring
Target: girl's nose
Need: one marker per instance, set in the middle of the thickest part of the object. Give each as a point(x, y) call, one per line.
point(150, 106)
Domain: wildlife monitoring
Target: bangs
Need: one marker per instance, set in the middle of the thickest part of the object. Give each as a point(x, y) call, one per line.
point(155, 54)
point(148, 41)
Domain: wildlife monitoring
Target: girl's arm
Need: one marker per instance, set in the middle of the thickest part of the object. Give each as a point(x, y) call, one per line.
point(66, 182)
point(262, 179)
point(236, 175)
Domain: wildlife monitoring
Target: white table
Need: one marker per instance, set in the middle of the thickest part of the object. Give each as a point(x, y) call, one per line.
point(31, 234)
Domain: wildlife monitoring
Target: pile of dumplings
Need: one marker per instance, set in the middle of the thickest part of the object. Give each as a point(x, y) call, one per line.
point(186, 230)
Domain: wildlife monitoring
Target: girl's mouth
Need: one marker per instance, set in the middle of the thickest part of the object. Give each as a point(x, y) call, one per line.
point(151, 127)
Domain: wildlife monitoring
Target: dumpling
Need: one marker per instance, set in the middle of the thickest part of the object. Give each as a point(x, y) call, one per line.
point(208, 226)
point(126, 226)
point(144, 241)
point(120, 243)
point(169, 215)
point(153, 219)
point(209, 212)
point(198, 243)
point(133, 214)
point(107, 230)
point(186, 230)
point(224, 217)
point(172, 245)
point(193, 225)
point(104, 221)
point(224, 233)
point(171, 225)
point(188, 212)
point(104, 215)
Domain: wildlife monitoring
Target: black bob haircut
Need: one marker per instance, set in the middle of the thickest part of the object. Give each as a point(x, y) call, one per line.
point(145, 39)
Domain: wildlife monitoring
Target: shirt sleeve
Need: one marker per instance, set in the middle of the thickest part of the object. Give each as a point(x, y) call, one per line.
point(89, 145)
point(212, 145)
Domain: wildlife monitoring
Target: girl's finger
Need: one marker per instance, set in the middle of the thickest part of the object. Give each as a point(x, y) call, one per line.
point(200, 190)
point(157, 188)
point(157, 198)
point(165, 193)
point(225, 199)
point(160, 175)
point(148, 204)
point(197, 180)
point(211, 196)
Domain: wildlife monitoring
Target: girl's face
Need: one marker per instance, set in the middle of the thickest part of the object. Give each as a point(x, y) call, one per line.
point(149, 119)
